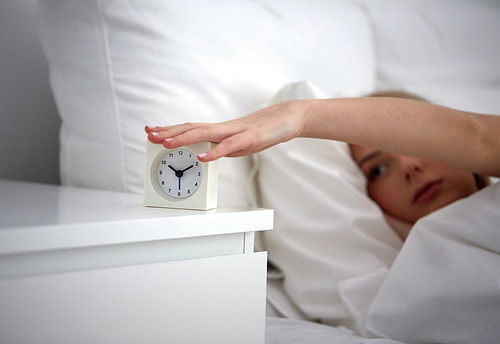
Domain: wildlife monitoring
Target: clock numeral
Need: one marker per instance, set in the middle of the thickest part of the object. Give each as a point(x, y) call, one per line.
point(170, 155)
point(181, 152)
point(161, 172)
point(179, 193)
point(189, 191)
point(169, 190)
point(164, 162)
point(199, 174)
point(162, 182)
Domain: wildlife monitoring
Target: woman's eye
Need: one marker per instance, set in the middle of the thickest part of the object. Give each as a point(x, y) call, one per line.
point(376, 172)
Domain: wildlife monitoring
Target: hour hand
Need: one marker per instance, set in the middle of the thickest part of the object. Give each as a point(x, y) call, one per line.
point(184, 170)
point(173, 169)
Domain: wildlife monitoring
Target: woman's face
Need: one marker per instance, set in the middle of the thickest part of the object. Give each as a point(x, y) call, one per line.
point(409, 188)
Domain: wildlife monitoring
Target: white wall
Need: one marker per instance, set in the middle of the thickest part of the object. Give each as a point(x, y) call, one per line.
point(29, 124)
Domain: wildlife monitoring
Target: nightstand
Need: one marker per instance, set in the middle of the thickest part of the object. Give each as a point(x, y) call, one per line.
point(80, 265)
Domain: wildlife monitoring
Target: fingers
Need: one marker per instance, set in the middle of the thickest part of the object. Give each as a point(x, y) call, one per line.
point(172, 137)
point(194, 133)
point(237, 145)
point(177, 135)
point(227, 147)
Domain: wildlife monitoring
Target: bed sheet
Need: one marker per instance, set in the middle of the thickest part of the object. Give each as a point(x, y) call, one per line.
point(292, 331)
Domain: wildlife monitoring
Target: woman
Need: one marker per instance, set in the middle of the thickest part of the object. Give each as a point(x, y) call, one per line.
point(418, 157)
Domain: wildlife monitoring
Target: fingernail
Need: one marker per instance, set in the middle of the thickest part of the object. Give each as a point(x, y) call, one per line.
point(202, 155)
point(150, 126)
point(154, 133)
point(169, 139)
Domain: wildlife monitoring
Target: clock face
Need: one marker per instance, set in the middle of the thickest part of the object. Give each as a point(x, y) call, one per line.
point(179, 173)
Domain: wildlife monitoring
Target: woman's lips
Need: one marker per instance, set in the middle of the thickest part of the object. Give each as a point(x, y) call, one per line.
point(427, 192)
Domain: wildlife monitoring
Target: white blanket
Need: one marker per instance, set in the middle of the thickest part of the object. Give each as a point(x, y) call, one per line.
point(444, 286)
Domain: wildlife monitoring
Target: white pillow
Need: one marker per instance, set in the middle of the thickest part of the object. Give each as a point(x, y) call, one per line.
point(446, 51)
point(327, 230)
point(118, 66)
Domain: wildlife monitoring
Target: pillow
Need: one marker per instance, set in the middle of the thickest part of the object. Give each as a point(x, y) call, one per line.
point(327, 230)
point(116, 66)
point(442, 50)
point(447, 274)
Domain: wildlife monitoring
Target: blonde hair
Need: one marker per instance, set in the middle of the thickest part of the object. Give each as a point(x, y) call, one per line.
point(398, 94)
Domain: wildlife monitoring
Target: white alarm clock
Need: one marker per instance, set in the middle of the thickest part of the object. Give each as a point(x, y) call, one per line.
point(175, 178)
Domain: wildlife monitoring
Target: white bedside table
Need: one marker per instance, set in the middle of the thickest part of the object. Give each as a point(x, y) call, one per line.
point(79, 265)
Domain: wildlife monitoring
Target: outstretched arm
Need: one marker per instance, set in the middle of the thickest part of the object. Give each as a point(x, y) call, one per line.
point(465, 140)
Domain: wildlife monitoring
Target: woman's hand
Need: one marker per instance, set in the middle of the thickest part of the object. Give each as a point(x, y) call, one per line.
point(238, 137)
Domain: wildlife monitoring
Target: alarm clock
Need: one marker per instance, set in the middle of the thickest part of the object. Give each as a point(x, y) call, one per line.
point(175, 178)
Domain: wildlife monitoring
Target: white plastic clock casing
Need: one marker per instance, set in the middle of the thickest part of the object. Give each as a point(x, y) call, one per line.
point(204, 198)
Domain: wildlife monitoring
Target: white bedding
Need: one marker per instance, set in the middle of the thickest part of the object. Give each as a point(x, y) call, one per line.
point(445, 277)
point(292, 331)
point(117, 66)
point(444, 286)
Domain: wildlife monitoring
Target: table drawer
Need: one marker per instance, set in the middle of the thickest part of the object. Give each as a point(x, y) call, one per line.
point(76, 259)
point(210, 300)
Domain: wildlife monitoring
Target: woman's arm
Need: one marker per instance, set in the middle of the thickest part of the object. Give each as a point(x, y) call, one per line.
point(465, 140)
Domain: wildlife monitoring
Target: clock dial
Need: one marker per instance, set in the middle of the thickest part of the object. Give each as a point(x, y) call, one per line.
point(179, 173)
point(176, 179)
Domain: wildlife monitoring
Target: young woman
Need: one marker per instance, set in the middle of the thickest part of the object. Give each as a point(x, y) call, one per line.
point(417, 157)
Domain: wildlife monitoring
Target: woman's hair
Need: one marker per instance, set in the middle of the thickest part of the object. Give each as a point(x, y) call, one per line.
point(481, 181)
point(398, 94)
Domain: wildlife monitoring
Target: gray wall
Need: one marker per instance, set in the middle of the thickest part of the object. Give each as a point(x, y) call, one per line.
point(29, 124)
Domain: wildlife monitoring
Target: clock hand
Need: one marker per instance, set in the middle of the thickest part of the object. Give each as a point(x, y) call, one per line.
point(178, 173)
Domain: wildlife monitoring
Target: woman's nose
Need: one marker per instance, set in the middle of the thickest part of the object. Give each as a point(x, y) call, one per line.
point(410, 166)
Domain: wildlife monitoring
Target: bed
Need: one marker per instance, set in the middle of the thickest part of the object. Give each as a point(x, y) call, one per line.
point(338, 272)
